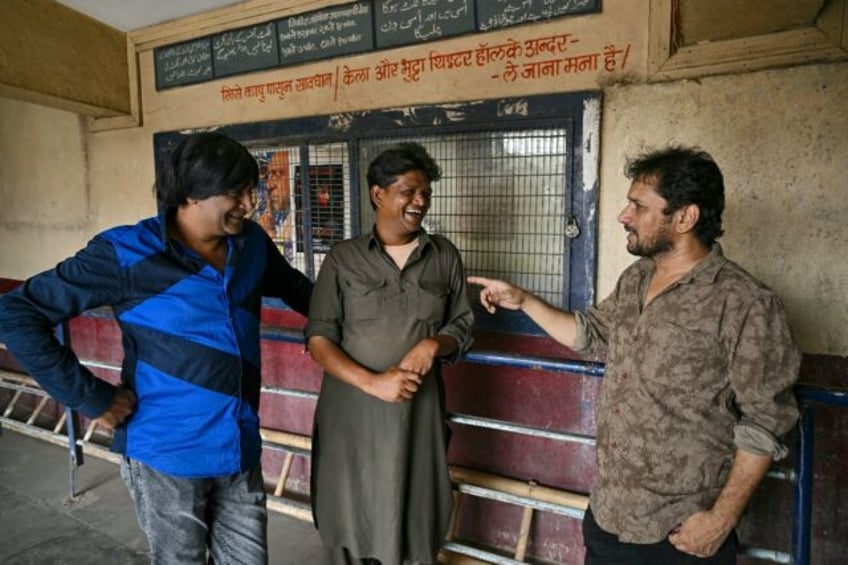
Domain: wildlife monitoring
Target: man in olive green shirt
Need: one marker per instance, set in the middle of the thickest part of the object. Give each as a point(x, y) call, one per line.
point(699, 374)
point(387, 307)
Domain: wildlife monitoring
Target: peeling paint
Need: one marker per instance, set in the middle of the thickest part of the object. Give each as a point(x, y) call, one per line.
point(591, 131)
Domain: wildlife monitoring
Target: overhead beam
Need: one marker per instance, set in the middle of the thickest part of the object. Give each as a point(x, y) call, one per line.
point(55, 56)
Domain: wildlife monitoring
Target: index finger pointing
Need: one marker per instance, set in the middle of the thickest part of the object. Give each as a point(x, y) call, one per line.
point(482, 281)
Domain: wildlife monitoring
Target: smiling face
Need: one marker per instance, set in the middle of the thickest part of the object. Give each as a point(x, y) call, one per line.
point(401, 207)
point(222, 215)
point(648, 227)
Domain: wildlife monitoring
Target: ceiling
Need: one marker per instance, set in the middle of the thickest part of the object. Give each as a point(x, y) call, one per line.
point(129, 15)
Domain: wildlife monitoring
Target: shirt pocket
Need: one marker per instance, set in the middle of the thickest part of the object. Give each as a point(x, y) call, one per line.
point(432, 300)
point(683, 359)
point(363, 299)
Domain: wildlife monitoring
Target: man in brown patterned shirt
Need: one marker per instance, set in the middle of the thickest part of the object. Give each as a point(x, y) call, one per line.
point(699, 375)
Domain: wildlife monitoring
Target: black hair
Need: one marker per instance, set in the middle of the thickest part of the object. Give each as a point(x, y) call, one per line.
point(400, 159)
point(202, 165)
point(685, 176)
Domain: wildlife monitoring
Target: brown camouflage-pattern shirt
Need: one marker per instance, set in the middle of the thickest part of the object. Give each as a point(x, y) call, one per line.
point(705, 368)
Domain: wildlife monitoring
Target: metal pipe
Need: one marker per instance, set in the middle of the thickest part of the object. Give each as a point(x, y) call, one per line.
point(491, 494)
point(480, 554)
point(23, 388)
point(822, 395)
point(503, 426)
point(802, 512)
point(532, 362)
point(290, 392)
point(766, 554)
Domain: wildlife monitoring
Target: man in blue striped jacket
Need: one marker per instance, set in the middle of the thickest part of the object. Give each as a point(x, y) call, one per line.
point(186, 288)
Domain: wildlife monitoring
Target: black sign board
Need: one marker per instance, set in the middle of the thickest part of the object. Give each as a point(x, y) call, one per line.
point(332, 32)
point(183, 63)
point(244, 50)
point(404, 22)
point(504, 13)
point(357, 27)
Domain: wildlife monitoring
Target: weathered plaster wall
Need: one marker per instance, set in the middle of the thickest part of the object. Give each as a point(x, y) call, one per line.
point(781, 139)
point(44, 187)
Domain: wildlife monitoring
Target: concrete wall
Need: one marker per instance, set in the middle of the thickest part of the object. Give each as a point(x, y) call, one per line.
point(781, 139)
point(45, 213)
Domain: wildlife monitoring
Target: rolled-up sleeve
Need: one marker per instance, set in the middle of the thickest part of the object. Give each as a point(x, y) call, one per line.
point(763, 369)
point(460, 318)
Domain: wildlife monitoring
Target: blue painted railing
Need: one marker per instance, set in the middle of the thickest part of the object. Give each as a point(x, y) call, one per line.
point(802, 513)
point(807, 396)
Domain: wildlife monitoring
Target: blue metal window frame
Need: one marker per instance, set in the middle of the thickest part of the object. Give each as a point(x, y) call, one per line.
point(563, 111)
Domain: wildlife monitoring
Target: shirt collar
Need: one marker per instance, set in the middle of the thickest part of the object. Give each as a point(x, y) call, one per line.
point(705, 272)
point(423, 238)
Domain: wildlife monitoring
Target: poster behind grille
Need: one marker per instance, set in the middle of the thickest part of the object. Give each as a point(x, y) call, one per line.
point(326, 205)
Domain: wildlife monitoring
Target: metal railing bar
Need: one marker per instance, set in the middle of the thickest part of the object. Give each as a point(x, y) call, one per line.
point(491, 494)
point(534, 362)
point(290, 392)
point(803, 496)
point(766, 554)
point(487, 556)
point(58, 439)
point(501, 425)
point(23, 388)
point(834, 397)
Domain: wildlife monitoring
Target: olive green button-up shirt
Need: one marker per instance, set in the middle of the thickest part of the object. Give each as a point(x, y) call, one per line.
point(380, 483)
point(705, 368)
point(377, 312)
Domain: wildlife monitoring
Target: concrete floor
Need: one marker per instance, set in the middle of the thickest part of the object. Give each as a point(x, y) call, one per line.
point(39, 525)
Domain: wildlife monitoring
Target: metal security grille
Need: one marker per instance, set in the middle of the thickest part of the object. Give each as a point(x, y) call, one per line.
point(502, 201)
point(304, 224)
point(518, 197)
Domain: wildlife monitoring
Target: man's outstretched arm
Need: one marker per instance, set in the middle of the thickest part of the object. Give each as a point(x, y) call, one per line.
point(559, 324)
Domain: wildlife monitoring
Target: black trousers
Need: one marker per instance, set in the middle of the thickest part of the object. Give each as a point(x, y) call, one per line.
point(604, 548)
point(342, 556)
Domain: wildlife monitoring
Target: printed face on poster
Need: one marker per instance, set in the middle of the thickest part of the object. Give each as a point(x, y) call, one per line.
point(273, 205)
point(326, 206)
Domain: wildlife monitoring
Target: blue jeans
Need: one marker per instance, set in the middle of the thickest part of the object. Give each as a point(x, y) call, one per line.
point(216, 520)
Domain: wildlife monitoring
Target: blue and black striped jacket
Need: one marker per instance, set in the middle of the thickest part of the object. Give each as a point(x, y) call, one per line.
point(190, 338)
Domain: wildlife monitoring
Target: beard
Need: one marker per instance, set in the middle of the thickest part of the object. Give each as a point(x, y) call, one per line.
point(658, 244)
